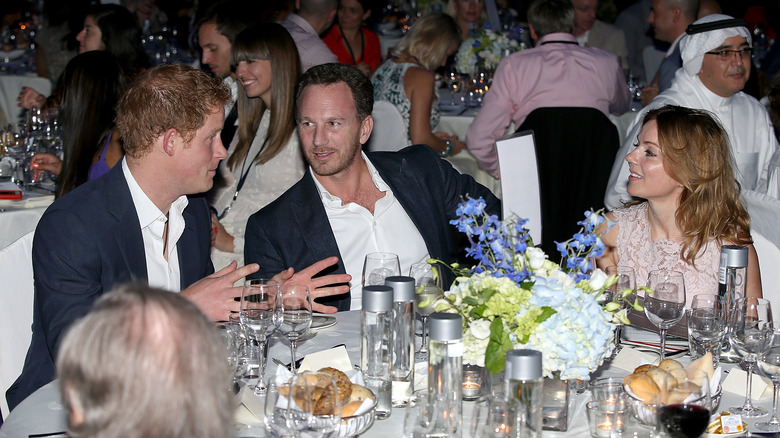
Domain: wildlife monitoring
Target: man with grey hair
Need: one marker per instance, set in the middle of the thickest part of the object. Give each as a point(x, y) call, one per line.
point(669, 18)
point(313, 18)
point(173, 380)
point(555, 73)
point(716, 65)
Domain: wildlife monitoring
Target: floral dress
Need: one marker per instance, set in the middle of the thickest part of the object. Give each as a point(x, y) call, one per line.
point(388, 82)
point(636, 249)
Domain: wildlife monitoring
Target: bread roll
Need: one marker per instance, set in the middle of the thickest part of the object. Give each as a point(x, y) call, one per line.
point(643, 387)
point(360, 393)
point(343, 384)
point(679, 374)
point(642, 369)
point(669, 364)
point(701, 367)
point(350, 408)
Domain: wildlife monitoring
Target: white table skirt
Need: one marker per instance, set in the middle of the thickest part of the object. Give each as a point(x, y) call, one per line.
point(42, 412)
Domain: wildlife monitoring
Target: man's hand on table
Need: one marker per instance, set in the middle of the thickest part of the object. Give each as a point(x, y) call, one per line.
point(319, 286)
point(215, 295)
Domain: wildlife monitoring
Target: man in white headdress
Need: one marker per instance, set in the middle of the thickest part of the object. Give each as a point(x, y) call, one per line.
point(716, 65)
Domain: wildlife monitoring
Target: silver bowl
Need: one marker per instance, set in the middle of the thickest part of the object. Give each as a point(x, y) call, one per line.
point(354, 425)
point(646, 412)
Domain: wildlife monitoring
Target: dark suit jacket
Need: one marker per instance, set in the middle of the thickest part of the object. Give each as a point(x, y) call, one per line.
point(86, 243)
point(294, 230)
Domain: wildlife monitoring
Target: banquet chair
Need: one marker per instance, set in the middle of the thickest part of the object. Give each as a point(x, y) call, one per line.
point(768, 260)
point(520, 180)
point(16, 311)
point(389, 133)
point(575, 149)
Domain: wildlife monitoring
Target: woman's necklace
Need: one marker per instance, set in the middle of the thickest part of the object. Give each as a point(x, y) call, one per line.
point(349, 47)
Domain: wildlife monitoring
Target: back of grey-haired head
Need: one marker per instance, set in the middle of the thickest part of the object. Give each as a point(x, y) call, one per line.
point(334, 73)
point(145, 362)
point(551, 16)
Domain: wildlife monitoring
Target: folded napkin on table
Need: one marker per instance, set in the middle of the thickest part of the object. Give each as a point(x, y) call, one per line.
point(628, 359)
point(736, 382)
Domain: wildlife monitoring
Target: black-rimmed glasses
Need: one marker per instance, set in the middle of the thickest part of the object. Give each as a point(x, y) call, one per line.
point(727, 55)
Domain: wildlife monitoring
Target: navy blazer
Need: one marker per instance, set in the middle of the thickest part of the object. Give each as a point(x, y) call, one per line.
point(294, 230)
point(86, 243)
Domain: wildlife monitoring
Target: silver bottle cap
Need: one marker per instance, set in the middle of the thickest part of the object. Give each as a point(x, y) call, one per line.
point(523, 364)
point(445, 326)
point(377, 298)
point(403, 287)
point(736, 255)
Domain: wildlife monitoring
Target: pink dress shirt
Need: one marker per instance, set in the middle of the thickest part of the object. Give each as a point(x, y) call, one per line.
point(556, 73)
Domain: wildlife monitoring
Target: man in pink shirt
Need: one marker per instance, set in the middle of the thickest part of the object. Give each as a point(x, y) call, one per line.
point(556, 73)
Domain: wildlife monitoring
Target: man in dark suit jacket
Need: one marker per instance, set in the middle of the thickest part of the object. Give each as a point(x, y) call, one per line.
point(137, 222)
point(334, 112)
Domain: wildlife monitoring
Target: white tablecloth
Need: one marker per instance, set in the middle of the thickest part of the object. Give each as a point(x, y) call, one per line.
point(42, 412)
point(18, 218)
point(10, 86)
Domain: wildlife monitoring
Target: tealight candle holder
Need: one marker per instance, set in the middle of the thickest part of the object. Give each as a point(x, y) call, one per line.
point(473, 382)
point(607, 419)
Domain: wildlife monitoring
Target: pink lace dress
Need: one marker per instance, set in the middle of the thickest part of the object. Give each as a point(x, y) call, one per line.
point(636, 249)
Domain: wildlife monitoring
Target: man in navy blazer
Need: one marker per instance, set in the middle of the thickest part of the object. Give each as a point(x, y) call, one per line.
point(137, 224)
point(334, 119)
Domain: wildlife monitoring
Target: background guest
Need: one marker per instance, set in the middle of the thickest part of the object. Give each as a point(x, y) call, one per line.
point(682, 168)
point(350, 41)
point(264, 159)
point(596, 33)
point(468, 14)
point(162, 342)
point(313, 18)
point(92, 84)
point(106, 27)
point(407, 80)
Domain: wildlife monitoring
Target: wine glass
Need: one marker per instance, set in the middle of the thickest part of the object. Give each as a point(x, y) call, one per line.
point(706, 327)
point(296, 315)
point(299, 403)
point(276, 419)
point(665, 306)
point(625, 280)
point(688, 414)
point(769, 364)
point(260, 316)
point(379, 265)
point(428, 288)
point(325, 406)
point(751, 323)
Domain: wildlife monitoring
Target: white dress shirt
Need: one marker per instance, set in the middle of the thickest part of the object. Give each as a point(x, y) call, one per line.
point(358, 232)
point(162, 273)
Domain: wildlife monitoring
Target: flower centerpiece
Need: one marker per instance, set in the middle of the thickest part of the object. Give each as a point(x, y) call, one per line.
point(515, 297)
point(484, 51)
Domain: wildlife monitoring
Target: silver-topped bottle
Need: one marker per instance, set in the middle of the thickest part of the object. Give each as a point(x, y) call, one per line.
point(732, 281)
point(376, 348)
point(445, 369)
point(524, 392)
point(403, 338)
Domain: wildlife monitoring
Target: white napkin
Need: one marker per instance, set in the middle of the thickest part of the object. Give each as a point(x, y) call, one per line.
point(250, 408)
point(628, 359)
point(736, 382)
point(335, 358)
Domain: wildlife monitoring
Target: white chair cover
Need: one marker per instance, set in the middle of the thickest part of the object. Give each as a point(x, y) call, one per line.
point(520, 180)
point(769, 260)
point(389, 133)
point(764, 212)
point(16, 311)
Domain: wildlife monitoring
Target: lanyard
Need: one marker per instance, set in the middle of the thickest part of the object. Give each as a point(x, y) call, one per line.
point(242, 180)
point(362, 43)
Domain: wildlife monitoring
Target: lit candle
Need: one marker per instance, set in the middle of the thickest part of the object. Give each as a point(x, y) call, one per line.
point(471, 388)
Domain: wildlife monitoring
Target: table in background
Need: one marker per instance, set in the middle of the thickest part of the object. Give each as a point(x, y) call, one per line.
point(10, 87)
point(18, 218)
point(43, 412)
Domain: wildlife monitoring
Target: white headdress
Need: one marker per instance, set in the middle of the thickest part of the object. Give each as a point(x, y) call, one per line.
point(699, 39)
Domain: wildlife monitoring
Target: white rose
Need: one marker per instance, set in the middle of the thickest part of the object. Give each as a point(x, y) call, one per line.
point(536, 257)
point(480, 328)
point(597, 279)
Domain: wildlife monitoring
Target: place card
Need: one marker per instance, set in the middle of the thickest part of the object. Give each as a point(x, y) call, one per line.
point(250, 408)
point(736, 382)
point(628, 359)
point(335, 358)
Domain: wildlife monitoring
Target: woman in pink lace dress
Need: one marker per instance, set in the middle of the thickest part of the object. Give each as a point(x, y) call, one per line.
point(682, 167)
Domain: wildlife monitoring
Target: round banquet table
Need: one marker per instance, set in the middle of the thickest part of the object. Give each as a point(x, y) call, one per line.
point(42, 412)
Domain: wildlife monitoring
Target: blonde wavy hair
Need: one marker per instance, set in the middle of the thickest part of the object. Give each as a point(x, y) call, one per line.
point(697, 155)
point(428, 40)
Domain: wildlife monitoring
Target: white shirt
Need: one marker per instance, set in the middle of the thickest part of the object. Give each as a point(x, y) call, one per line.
point(358, 232)
point(164, 274)
point(745, 120)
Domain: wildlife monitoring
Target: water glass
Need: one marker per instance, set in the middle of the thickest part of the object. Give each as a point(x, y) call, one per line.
point(427, 289)
point(296, 315)
point(425, 417)
point(606, 389)
point(492, 418)
point(665, 306)
point(626, 280)
point(751, 324)
point(769, 365)
point(706, 327)
point(260, 316)
point(379, 265)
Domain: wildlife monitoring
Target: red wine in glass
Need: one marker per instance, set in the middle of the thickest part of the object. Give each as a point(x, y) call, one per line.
point(684, 421)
